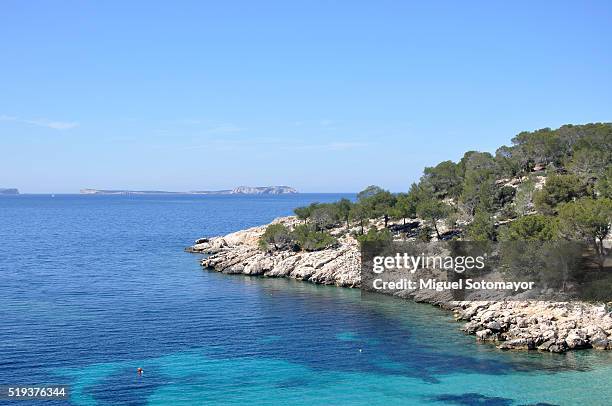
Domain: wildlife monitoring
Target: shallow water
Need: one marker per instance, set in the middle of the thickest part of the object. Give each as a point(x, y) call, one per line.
point(92, 287)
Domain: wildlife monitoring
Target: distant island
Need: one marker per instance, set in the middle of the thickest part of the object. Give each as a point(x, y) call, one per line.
point(9, 191)
point(240, 190)
point(249, 190)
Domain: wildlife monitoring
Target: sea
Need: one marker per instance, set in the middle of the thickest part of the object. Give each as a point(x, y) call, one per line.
point(93, 287)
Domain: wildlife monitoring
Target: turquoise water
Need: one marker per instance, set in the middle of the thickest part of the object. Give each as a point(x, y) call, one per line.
point(93, 287)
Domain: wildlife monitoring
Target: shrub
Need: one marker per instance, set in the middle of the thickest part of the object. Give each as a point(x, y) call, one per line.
point(604, 184)
point(588, 220)
point(503, 196)
point(531, 228)
point(482, 228)
point(375, 236)
point(377, 202)
point(425, 233)
point(523, 201)
point(559, 189)
point(324, 215)
point(309, 239)
point(303, 213)
point(276, 234)
point(444, 179)
point(433, 210)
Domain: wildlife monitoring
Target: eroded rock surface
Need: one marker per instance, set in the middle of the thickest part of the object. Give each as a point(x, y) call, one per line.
point(239, 253)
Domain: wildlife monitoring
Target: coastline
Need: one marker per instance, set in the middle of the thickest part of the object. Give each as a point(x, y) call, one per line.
point(510, 325)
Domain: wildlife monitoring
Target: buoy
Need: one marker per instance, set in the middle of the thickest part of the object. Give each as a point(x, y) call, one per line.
point(360, 350)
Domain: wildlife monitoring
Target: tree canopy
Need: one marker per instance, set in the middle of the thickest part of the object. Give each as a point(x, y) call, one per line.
point(547, 185)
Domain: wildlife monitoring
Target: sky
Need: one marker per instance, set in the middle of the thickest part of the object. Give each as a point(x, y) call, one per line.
point(324, 96)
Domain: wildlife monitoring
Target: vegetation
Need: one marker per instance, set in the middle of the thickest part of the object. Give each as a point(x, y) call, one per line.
point(588, 220)
point(377, 202)
point(536, 227)
point(304, 237)
point(344, 211)
point(559, 189)
point(425, 233)
point(309, 239)
point(444, 180)
point(432, 210)
point(374, 235)
point(276, 234)
point(523, 200)
point(548, 185)
point(482, 228)
point(405, 207)
point(604, 184)
point(478, 182)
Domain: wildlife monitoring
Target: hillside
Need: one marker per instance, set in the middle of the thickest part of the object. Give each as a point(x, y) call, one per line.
point(550, 185)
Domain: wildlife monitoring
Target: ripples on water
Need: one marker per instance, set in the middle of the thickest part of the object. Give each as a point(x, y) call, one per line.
point(93, 287)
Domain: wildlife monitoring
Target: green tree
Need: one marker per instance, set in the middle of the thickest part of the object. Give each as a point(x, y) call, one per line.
point(587, 220)
point(587, 163)
point(377, 201)
point(374, 235)
point(559, 189)
point(433, 210)
point(584, 149)
point(487, 196)
point(523, 200)
point(416, 193)
point(507, 165)
point(405, 207)
point(276, 234)
point(324, 215)
point(591, 149)
point(537, 147)
point(303, 213)
point(309, 239)
point(604, 184)
point(344, 207)
point(359, 213)
point(503, 196)
point(536, 227)
point(479, 181)
point(482, 228)
point(444, 179)
point(383, 205)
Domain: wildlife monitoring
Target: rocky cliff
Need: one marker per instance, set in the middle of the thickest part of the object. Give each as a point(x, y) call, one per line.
point(519, 325)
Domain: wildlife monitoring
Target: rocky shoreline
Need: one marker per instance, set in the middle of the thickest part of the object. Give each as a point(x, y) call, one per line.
point(511, 325)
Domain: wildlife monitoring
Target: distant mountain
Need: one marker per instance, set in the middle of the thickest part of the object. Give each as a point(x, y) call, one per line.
point(11, 191)
point(240, 190)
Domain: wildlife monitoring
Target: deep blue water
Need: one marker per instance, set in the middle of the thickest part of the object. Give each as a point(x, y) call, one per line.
point(92, 287)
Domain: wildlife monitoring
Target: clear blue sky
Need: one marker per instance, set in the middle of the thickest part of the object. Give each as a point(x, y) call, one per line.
point(321, 95)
